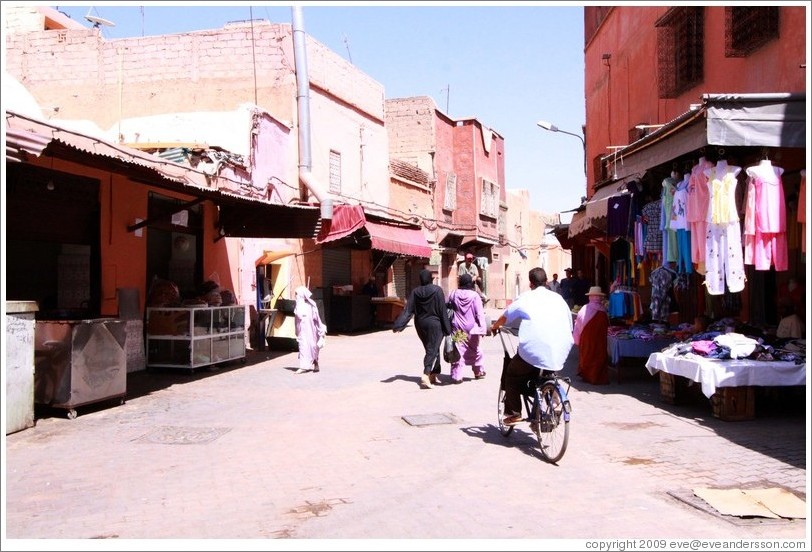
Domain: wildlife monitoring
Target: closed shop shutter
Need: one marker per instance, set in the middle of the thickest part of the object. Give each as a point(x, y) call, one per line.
point(336, 263)
point(399, 271)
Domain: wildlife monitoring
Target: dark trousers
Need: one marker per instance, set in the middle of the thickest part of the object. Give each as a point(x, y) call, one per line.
point(430, 333)
point(515, 379)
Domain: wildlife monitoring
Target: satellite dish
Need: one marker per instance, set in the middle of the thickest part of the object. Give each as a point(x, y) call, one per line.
point(99, 21)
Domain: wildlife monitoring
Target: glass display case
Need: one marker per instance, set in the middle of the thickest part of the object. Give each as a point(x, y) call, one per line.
point(191, 337)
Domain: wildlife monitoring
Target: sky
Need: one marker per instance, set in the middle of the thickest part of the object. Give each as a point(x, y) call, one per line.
point(508, 64)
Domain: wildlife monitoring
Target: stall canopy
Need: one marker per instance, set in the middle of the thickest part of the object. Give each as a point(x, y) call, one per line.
point(760, 120)
point(396, 239)
point(349, 219)
point(592, 218)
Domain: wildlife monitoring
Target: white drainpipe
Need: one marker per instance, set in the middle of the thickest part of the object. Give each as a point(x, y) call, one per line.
point(303, 103)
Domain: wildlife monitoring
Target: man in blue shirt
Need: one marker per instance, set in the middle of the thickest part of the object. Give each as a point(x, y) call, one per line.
point(545, 339)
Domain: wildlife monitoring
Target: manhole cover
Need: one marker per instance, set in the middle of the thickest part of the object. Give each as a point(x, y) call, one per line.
point(429, 419)
point(172, 435)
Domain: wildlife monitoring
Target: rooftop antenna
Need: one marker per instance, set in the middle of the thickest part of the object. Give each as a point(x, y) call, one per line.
point(447, 91)
point(347, 44)
point(98, 21)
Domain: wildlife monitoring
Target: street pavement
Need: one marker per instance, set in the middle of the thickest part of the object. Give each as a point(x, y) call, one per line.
point(359, 451)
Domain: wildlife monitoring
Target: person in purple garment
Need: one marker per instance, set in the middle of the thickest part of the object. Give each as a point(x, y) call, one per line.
point(469, 316)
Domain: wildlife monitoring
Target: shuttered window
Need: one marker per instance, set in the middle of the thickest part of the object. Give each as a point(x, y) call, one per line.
point(335, 172)
point(450, 192)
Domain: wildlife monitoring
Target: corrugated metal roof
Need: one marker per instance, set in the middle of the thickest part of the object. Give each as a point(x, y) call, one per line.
point(241, 216)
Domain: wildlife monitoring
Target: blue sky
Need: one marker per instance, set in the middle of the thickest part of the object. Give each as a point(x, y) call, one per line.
point(509, 64)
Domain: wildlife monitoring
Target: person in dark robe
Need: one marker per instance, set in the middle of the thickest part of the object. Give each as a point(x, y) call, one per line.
point(590, 335)
point(427, 304)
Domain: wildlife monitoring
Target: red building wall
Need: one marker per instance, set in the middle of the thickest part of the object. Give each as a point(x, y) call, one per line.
point(622, 91)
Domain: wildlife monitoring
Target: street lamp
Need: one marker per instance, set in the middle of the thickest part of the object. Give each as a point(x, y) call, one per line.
point(547, 125)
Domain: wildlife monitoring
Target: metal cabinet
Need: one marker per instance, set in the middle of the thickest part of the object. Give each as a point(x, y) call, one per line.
point(191, 337)
point(79, 362)
point(19, 365)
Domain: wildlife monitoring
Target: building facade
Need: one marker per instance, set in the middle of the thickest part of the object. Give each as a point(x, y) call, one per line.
point(666, 86)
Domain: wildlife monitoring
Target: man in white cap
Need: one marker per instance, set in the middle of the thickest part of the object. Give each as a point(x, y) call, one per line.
point(469, 267)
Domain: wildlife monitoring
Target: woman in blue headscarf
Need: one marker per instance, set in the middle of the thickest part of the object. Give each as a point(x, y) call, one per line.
point(427, 304)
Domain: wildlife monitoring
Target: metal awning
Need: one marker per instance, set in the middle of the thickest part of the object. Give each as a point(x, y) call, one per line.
point(760, 120)
point(240, 215)
point(350, 220)
point(246, 218)
point(346, 220)
point(591, 221)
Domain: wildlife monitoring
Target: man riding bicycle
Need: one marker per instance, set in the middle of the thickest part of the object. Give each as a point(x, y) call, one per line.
point(545, 339)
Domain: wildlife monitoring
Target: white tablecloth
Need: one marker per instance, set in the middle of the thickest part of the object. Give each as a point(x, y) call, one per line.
point(713, 373)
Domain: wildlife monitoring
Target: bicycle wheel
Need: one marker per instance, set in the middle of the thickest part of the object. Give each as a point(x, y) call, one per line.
point(551, 426)
point(505, 430)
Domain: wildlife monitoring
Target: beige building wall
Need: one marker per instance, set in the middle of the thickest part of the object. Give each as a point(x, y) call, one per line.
point(213, 70)
point(412, 134)
point(112, 83)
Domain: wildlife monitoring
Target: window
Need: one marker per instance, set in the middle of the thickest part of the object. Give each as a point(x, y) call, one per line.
point(680, 50)
point(450, 192)
point(335, 172)
point(490, 199)
point(502, 224)
point(748, 28)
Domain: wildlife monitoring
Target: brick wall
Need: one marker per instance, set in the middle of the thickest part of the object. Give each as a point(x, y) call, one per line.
point(211, 70)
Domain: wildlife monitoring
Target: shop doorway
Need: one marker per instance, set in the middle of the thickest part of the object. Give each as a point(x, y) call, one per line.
point(175, 244)
point(53, 241)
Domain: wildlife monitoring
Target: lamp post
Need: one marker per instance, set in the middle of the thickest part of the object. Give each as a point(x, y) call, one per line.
point(547, 125)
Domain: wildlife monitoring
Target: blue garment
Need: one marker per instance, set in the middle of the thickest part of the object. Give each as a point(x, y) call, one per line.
point(545, 333)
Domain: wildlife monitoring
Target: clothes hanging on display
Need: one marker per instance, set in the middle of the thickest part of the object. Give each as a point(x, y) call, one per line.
point(621, 261)
point(653, 233)
point(679, 224)
point(697, 211)
point(802, 210)
point(724, 261)
point(669, 235)
point(765, 223)
point(625, 303)
point(618, 209)
point(663, 300)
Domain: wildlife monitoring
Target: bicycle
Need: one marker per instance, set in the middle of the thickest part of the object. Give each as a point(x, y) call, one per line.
point(547, 404)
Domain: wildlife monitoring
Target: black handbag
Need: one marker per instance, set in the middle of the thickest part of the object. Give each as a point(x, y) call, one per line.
point(450, 351)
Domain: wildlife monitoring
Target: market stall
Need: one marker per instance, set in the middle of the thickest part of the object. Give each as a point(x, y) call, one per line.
point(727, 382)
point(638, 341)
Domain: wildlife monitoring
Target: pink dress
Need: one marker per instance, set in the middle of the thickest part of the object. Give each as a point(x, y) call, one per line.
point(765, 222)
point(696, 210)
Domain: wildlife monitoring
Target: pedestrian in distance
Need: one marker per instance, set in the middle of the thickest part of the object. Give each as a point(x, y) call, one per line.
point(469, 317)
point(567, 287)
point(427, 304)
point(554, 284)
point(590, 334)
point(545, 339)
point(579, 288)
point(311, 332)
point(468, 266)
